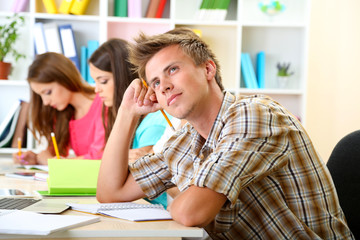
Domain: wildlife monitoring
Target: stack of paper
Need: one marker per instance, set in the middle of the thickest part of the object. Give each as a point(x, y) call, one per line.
point(31, 223)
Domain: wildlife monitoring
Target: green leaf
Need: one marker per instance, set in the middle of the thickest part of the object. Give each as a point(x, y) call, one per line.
point(9, 34)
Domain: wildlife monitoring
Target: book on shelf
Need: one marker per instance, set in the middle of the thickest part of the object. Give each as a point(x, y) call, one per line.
point(39, 38)
point(79, 7)
point(125, 210)
point(68, 43)
point(120, 8)
point(19, 5)
point(160, 9)
point(8, 125)
point(46, 38)
point(52, 37)
point(248, 72)
point(86, 52)
point(210, 11)
point(31, 223)
point(251, 71)
point(213, 10)
point(92, 45)
point(83, 62)
point(202, 10)
point(72, 177)
point(197, 32)
point(152, 8)
point(50, 6)
point(134, 9)
point(221, 9)
point(21, 128)
point(260, 68)
point(65, 6)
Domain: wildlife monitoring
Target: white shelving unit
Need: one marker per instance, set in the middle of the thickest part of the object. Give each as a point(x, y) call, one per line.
point(283, 38)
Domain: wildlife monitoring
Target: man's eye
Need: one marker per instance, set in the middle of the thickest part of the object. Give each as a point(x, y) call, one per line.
point(155, 84)
point(171, 70)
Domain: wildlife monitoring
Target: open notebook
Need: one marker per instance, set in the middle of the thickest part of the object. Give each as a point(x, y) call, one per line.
point(126, 210)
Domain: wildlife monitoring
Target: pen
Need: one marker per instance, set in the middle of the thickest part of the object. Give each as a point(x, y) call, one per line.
point(162, 111)
point(55, 145)
point(19, 147)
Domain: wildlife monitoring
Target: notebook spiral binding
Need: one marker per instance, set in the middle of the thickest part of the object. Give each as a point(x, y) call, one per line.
point(117, 206)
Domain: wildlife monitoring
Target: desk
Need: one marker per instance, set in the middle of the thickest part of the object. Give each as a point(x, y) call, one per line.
point(107, 228)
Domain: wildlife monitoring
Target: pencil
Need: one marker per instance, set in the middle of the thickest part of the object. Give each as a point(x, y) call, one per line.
point(55, 145)
point(19, 147)
point(162, 111)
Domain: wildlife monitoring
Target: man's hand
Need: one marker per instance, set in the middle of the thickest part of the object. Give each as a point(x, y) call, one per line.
point(139, 100)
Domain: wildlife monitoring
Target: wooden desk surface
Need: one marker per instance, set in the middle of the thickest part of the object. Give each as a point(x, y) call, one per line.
point(108, 227)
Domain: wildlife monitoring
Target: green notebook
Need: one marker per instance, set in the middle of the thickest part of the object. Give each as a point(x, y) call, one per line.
point(72, 177)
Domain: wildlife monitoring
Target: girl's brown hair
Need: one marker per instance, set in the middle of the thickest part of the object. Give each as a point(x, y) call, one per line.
point(47, 68)
point(112, 56)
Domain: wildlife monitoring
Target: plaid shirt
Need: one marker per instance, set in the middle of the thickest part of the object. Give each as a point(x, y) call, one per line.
point(260, 157)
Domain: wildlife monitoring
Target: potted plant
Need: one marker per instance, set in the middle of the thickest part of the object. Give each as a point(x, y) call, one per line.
point(283, 74)
point(9, 32)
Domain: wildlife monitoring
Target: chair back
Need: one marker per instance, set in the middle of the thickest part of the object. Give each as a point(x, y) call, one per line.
point(344, 166)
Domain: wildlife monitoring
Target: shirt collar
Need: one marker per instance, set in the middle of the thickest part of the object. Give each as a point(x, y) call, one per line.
point(215, 131)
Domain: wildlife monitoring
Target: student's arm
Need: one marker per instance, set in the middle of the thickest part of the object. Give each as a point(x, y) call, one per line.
point(43, 156)
point(115, 182)
point(197, 206)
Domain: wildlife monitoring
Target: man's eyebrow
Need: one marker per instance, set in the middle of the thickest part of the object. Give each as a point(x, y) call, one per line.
point(164, 71)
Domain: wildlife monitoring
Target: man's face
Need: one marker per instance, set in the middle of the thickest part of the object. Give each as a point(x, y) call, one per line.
point(180, 86)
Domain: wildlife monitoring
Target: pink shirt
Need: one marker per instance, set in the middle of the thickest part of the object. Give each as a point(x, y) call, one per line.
point(87, 134)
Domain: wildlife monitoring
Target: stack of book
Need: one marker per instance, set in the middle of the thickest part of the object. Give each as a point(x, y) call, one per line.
point(250, 78)
point(86, 52)
point(19, 6)
point(77, 7)
point(140, 8)
point(50, 37)
point(213, 10)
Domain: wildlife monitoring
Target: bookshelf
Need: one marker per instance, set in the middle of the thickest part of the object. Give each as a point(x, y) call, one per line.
point(283, 38)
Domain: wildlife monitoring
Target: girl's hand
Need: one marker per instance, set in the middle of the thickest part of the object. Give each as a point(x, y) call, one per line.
point(26, 158)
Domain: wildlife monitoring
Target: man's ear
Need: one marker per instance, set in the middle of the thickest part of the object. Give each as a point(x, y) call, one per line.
point(210, 69)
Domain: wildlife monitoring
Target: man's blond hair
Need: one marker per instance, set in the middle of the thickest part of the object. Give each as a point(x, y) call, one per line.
point(192, 45)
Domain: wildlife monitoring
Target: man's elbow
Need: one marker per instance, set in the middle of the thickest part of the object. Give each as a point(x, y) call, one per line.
point(103, 196)
point(190, 218)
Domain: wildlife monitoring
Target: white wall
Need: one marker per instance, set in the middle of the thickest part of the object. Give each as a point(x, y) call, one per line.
point(333, 100)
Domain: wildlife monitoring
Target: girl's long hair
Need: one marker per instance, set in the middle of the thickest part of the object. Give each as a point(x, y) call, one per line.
point(112, 56)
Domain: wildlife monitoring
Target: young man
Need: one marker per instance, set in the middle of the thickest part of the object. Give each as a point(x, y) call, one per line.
point(245, 167)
